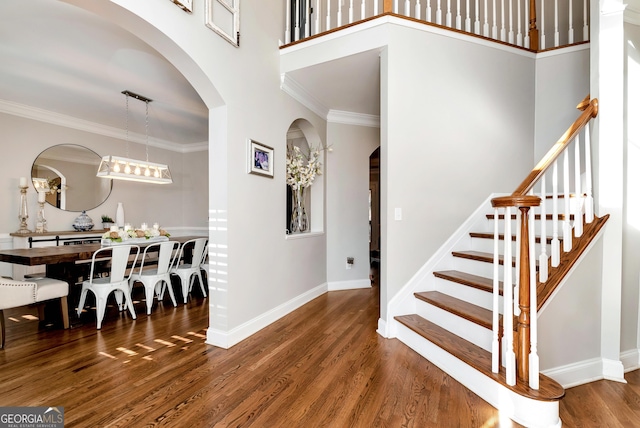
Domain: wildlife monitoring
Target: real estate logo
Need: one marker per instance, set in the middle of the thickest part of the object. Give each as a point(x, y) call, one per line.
point(31, 417)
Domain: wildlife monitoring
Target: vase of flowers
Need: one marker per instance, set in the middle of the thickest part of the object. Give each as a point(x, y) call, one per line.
point(301, 171)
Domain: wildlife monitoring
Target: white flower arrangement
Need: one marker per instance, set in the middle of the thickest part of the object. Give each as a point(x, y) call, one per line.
point(302, 169)
point(122, 235)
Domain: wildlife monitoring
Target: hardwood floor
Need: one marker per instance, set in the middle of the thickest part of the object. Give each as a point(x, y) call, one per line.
point(321, 366)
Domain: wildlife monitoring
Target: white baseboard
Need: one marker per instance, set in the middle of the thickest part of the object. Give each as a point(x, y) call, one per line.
point(226, 339)
point(349, 285)
point(382, 328)
point(630, 359)
point(586, 371)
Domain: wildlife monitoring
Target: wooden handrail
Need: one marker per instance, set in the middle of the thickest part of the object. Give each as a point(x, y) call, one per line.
point(589, 112)
point(387, 6)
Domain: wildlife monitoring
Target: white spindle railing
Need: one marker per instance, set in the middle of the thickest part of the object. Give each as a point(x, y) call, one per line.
point(481, 17)
point(520, 284)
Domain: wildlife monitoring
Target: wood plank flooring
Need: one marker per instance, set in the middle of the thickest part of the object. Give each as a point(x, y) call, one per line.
point(321, 366)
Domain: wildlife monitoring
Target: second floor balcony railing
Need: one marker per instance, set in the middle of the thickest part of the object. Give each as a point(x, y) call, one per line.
point(531, 24)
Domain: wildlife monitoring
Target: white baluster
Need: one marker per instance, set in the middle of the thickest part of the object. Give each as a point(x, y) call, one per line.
point(407, 8)
point(566, 225)
point(527, 41)
point(534, 361)
point(287, 26)
point(476, 22)
point(511, 21)
point(556, 34)
point(570, 21)
point(297, 17)
point(317, 15)
point(519, 37)
point(438, 14)
point(485, 27)
point(350, 11)
point(494, 28)
point(363, 6)
point(588, 201)
point(376, 11)
point(544, 258)
point(467, 21)
point(448, 16)
point(418, 11)
point(328, 26)
point(339, 17)
point(577, 222)
point(307, 23)
point(585, 23)
point(495, 343)
point(458, 17)
point(555, 242)
point(503, 29)
point(543, 45)
point(395, 6)
point(427, 12)
point(510, 356)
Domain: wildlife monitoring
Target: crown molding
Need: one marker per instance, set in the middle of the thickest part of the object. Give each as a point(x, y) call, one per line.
point(350, 118)
point(71, 122)
point(632, 14)
point(297, 92)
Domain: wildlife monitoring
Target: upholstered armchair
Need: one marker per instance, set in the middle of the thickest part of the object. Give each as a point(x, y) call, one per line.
point(14, 294)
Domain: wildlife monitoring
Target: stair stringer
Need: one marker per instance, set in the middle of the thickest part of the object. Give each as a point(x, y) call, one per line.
point(423, 280)
point(523, 410)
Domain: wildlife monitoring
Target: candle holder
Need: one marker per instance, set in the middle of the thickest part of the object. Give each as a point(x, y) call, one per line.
point(41, 223)
point(23, 214)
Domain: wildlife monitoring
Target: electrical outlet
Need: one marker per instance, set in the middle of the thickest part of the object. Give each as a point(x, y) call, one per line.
point(349, 262)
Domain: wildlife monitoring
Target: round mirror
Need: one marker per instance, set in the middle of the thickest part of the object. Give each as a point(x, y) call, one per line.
point(67, 176)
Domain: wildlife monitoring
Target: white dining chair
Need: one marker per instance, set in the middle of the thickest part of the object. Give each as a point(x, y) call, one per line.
point(14, 294)
point(155, 279)
point(117, 282)
point(188, 272)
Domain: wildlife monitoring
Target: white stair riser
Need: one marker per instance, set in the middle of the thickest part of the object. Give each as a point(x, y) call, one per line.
point(479, 268)
point(468, 330)
point(486, 246)
point(469, 294)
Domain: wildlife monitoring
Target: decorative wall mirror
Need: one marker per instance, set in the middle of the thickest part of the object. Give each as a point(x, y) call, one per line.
point(67, 175)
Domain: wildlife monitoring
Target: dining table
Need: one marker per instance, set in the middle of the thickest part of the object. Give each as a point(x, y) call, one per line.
point(69, 263)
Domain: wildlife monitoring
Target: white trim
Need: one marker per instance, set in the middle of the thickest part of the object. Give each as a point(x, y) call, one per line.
point(304, 235)
point(300, 94)
point(613, 370)
point(563, 51)
point(226, 339)
point(632, 15)
point(187, 231)
point(576, 374)
point(58, 119)
point(630, 360)
point(350, 118)
point(349, 285)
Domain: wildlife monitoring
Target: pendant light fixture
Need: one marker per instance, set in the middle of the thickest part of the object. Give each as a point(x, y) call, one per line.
point(125, 168)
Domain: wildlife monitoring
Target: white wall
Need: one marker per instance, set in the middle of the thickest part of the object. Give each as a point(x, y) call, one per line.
point(24, 139)
point(631, 215)
point(561, 82)
point(460, 124)
point(348, 203)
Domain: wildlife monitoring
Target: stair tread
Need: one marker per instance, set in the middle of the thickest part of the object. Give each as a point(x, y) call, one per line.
point(537, 216)
point(478, 358)
point(475, 281)
point(483, 257)
point(489, 235)
point(481, 316)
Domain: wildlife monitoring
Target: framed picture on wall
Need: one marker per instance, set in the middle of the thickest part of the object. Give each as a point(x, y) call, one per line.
point(186, 5)
point(260, 159)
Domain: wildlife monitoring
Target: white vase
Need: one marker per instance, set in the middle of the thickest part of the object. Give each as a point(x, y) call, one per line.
point(120, 215)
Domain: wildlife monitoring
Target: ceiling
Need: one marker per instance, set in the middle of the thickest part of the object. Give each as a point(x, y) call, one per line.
point(62, 59)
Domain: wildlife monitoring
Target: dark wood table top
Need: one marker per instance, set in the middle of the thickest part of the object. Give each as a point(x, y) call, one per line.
point(62, 253)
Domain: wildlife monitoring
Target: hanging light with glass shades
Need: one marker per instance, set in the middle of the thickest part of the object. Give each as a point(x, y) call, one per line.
point(125, 168)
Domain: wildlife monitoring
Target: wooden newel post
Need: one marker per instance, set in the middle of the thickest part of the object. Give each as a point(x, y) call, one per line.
point(534, 37)
point(524, 319)
point(387, 6)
